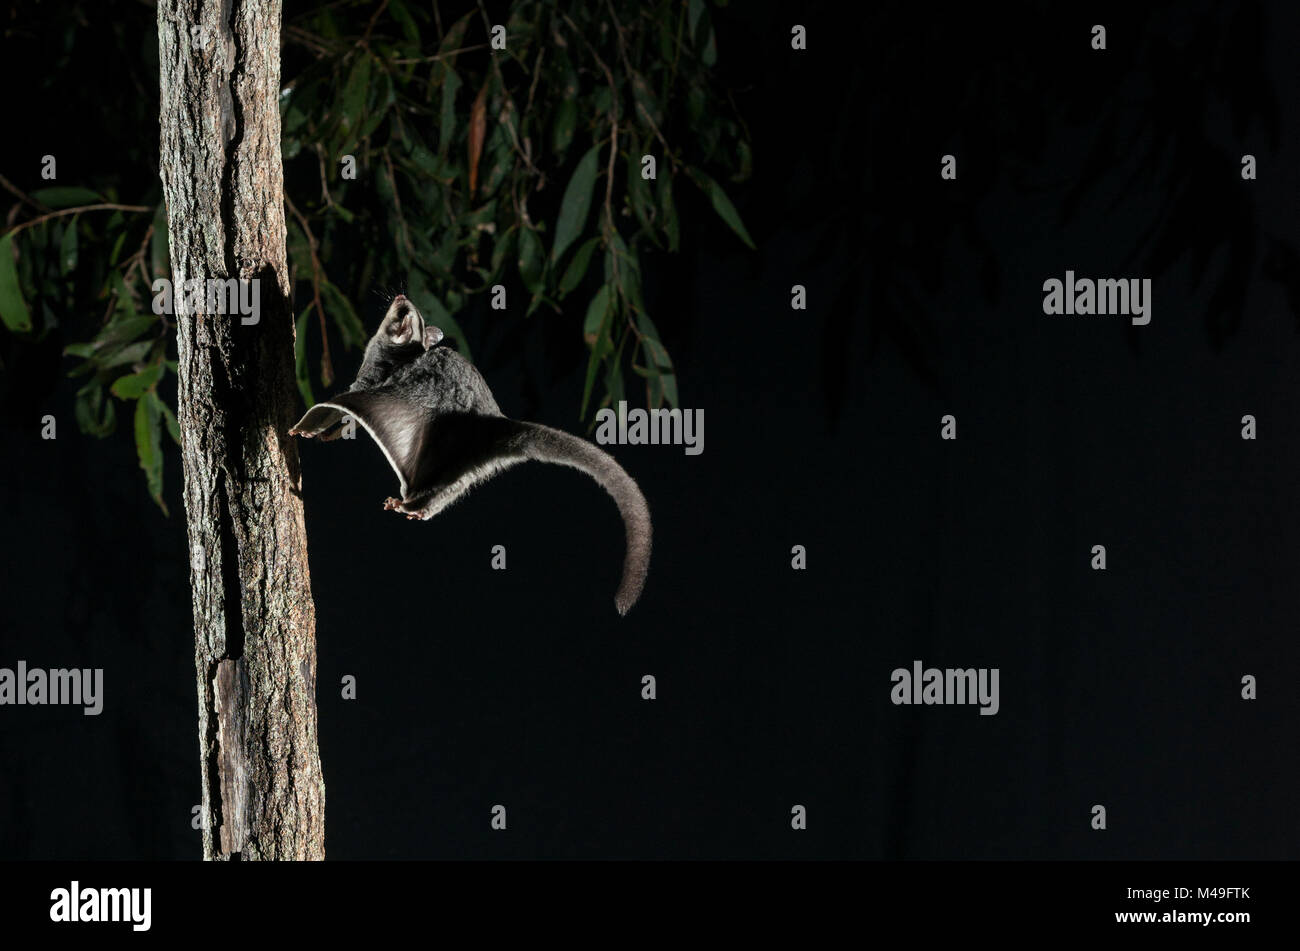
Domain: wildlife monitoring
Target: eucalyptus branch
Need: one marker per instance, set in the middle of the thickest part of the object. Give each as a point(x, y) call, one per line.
point(20, 195)
point(326, 364)
point(108, 206)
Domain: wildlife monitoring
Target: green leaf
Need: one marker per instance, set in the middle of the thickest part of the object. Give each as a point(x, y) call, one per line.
point(595, 329)
point(123, 329)
point(380, 112)
point(455, 35)
point(95, 415)
point(148, 443)
point(595, 319)
point(125, 303)
point(68, 248)
point(661, 364)
point(131, 353)
point(709, 55)
point(614, 380)
point(133, 386)
point(353, 103)
point(566, 119)
point(173, 427)
point(500, 154)
point(501, 249)
point(695, 11)
point(300, 371)
point(577, 268)
point(575, 204)
point(638, 191)
point(725, 209)
point(66, 197)
point(13, 309)
point(114, 256)
point(647, 104)
point(531, 260)
point(447, 125)
point(345, 317)
point(405, 21)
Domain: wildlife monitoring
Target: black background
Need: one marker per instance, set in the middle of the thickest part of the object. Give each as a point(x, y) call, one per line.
point(522, 687)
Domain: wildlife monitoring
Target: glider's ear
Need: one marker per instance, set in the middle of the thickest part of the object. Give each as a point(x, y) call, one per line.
point(317, 419)
point(432, 337)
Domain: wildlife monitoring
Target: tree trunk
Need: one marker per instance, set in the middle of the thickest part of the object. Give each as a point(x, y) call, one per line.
point(254, 620)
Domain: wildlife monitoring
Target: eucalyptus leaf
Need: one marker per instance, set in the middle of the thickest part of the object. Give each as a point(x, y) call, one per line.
point(301, 373)
point(13, 309)
point(451, 83)
point(66, 197)
point(598, 317)
point(578, 265)
point(68, 248)
point(725, 209)
point(576, 203)
point(169, 418)
point(344, 315)
point(133, 386)
point(148, 444)
point(353, 104)
point(531, 261)
point(95, 415)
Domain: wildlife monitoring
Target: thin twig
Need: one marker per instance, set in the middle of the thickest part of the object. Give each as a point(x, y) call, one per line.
point(326, 365)
point(76, 211)
point(450, 54)
point(397, 204)
point(324, 186)
point(24, 198)
point(365, 38)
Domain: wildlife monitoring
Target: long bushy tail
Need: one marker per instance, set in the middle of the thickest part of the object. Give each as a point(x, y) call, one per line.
point(544, 444)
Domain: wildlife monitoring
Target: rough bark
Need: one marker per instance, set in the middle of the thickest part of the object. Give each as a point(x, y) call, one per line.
point(254, 620)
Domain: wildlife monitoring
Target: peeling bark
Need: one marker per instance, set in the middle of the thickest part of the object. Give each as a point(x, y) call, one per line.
point(254, 620)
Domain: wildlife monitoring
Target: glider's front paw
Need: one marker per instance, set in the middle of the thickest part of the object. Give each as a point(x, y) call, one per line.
point(391, 505)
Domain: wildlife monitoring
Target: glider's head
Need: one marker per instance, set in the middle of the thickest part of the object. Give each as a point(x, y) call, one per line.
point(402, 337)
point(404, 329)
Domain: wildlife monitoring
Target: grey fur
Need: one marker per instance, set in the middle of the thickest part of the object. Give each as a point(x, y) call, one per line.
point(438, 425)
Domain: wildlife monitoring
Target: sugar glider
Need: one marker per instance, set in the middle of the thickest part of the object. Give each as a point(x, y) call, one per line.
point(434, 417)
